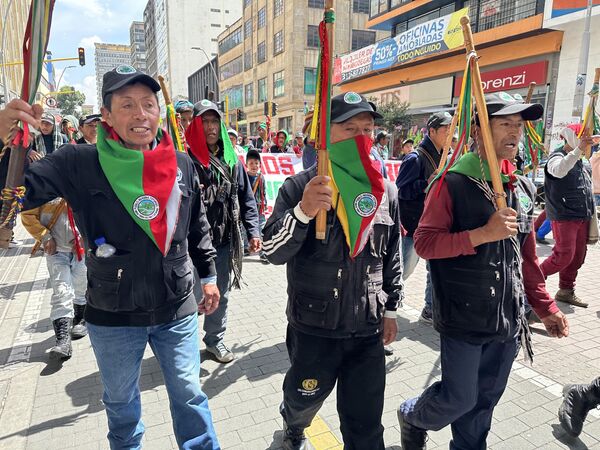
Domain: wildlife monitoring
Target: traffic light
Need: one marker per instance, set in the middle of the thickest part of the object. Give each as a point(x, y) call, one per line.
point(240, 115)
point(221, 105)
point(81, 53)
point(266, 108)
point(274, 109)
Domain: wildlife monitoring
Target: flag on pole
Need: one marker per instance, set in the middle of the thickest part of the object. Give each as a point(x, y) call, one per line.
point(533, 144)
point(591, 121)
point(173, 128)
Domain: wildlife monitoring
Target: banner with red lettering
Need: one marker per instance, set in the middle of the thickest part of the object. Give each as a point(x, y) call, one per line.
point(277, 167)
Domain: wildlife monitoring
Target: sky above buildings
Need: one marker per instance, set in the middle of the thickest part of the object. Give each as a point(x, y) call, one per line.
point(78, 23)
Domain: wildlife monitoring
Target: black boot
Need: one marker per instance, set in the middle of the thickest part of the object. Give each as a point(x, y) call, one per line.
point(579, 399)
point(293, 439)
point(411, 437)
point(62, 349)
point(79, 329)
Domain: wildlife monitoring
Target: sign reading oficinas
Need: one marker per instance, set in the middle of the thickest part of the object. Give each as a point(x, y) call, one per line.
point(437, 35)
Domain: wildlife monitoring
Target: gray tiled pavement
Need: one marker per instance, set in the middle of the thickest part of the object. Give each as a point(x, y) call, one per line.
point(43, 406)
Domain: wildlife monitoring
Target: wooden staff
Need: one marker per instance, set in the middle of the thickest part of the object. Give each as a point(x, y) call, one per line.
point(165, 91)
point(322, 155)
point(587, 149)
point(448, 142)
point(482, 113)
point(15, 177)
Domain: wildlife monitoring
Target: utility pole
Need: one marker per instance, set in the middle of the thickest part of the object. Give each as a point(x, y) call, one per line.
point(583, 63)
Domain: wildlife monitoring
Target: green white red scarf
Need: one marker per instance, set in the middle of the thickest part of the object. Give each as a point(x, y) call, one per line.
point(145, 182)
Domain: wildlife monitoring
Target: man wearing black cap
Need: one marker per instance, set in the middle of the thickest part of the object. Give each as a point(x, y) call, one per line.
point(407, 147)
point(416, 171)
point(135, 199)
point(341, 309)
point(88, 127)
point(229, 200)
point(482, 264)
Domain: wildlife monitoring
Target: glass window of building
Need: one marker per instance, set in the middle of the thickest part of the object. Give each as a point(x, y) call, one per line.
point(231, 68)
point(262, 18)
point(312, 36)
point(277, 8)
point(249, 94)
point(248, 59)
point(262, 90)
point(362, 38)
point(320, 4)
point(278, 84)
point(310, 81)
point(261, 53)
point(360, 6)
point(278, 43)
point(231, 41)
point(247, 28)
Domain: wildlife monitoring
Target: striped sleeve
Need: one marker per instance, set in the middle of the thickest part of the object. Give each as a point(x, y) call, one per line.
point(287, 228)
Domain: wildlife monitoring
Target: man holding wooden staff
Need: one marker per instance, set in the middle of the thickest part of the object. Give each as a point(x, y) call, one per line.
point(482, 264)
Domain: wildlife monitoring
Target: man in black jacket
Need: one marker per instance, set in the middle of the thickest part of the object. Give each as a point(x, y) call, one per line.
point(88, 128)
point(137, 204)
point(229, 199)
point(341, 310)
point(416, 171)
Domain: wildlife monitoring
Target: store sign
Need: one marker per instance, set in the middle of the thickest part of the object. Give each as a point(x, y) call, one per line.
point(431, 37)
point(397, 95)
point(508, 79)
point(564, 7)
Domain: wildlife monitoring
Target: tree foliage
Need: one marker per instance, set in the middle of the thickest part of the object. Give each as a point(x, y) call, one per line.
point(394, 115)
point(69, 101)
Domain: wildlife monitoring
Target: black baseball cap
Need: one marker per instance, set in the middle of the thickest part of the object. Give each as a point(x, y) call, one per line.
point(408, 141)
point(348, 105)
point(89, 119)
point(123, 75)
point(439, 119)
point(504, 104)
point(205, 105)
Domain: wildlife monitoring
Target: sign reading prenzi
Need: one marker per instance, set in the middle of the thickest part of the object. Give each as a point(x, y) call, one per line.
point(437, 35)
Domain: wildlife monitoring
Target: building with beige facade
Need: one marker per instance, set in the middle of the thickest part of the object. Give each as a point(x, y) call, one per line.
point(16, 20)
point(271, 54)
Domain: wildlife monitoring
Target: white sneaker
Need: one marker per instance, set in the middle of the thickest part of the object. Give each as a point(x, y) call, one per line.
point(221, 353)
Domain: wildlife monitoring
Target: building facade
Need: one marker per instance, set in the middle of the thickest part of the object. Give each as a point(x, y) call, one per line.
point(13, 46)
point(570, 21)
point(176, 27)
point(271, 54)
point(204, 79)
point(109, 56)
point(515, 49)
point(137, 43)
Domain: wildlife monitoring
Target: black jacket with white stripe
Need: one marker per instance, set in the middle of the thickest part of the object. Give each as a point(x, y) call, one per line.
point(329, 293)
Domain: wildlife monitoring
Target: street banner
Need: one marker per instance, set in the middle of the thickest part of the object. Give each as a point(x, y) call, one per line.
point(437, 35)
point(276, 168)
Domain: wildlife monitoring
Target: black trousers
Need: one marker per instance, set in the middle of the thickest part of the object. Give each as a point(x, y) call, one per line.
point(358, 366)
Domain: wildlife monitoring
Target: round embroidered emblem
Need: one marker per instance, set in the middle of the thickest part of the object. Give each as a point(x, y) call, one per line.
point(365, 204)
point(525, 202)
point(352, 98)
point(146, 207)
point(506, 97)
point(206, 102)
point(309, 384)
point(125, 69)
point(179, 175)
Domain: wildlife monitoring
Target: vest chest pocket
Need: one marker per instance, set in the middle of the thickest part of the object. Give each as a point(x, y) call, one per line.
point(376, 297)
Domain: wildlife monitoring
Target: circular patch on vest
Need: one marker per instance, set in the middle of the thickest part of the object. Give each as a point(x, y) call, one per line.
point(365, 204)
point(525, 202)
point(125, 69)
point(206, 103)
point(179, 175)
point(146, 207)
point(352, 98)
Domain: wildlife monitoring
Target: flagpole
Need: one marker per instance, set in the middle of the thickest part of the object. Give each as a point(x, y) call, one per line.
point(322, 155)
point(482, 113)
point(590, 122)
point(448, 142)
point(528, 100)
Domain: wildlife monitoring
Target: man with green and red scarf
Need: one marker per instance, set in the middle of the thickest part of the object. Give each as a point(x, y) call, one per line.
point(343, 291)
point(229, 203)
point(138, 206)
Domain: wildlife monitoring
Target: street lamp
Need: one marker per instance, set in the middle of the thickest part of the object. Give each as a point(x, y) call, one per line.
point(211, 66)
point(61, 75)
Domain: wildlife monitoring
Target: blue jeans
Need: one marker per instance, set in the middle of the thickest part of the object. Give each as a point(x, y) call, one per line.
point(474, 377)
point(69, 283)
point(216, 323)
point(119, 352)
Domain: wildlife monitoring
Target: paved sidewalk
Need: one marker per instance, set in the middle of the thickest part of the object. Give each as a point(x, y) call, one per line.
point(45, 406)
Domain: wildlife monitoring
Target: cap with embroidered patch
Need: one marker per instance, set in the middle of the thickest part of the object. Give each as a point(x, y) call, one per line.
point(124, 75)
point(204, 106)
point(345, 106)
point(504, 104)
point(90, 118)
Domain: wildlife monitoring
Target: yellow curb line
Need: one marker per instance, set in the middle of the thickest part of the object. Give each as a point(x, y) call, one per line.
point(321, 437)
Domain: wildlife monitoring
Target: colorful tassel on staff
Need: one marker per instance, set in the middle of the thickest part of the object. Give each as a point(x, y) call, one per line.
point(173, 127)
